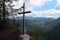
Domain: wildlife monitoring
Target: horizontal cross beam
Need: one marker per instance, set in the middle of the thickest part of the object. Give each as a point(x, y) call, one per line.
point(25, 12)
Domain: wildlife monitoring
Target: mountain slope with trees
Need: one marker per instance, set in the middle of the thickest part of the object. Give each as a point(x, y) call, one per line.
point(31, 21)
point(53, 31)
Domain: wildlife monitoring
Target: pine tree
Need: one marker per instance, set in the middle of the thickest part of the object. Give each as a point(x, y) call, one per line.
point(7, 30)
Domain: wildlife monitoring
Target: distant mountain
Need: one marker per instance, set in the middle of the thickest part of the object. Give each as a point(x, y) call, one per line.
point(53, 31)
point(52, 25)
point(31, 21)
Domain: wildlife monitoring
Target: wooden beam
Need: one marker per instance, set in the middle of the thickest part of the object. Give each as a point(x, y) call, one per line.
point(25, 12)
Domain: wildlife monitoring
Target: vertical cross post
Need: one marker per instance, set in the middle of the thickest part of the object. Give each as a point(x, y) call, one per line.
point(23, 17)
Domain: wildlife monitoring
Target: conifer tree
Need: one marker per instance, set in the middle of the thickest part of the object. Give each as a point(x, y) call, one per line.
point(7, 30)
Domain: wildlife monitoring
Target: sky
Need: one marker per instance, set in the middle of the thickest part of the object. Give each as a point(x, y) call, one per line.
point(40, 8)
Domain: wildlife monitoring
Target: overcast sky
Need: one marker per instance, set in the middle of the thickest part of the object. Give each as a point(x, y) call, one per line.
point(40, 8)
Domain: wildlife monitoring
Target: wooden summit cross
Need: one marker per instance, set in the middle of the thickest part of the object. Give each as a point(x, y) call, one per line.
point(24, 15)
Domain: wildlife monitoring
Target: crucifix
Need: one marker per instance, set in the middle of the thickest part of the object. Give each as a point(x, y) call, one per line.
point(24, 15)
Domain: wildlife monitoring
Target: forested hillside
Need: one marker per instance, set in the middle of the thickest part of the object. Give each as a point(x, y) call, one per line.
point(53, 31)
point(30, 22)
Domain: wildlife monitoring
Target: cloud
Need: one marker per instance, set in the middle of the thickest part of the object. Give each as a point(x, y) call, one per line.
point(17, 4)
point(57, 6)
point(55, 13)
point(58, 1)
point(30, 3)
point(48, 13)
